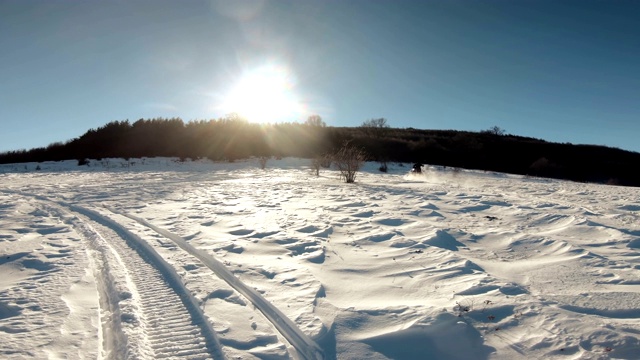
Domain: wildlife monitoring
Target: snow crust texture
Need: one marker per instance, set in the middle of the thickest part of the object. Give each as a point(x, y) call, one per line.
point(154, 258)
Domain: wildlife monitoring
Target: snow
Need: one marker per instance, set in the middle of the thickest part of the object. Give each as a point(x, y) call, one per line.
point(156, 258)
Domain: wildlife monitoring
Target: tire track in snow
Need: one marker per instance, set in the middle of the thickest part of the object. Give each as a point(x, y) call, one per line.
point(171, 322)
point(304, 345)
point(113, 338)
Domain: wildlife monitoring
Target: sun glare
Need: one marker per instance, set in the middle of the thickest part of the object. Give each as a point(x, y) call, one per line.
point(264, 95)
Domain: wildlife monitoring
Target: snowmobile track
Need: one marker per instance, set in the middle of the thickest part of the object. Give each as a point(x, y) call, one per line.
point(163, 331)
point(170, 324)
point(305, 346)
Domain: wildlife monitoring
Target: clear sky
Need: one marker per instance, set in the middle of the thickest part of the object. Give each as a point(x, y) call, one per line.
point(565, 71)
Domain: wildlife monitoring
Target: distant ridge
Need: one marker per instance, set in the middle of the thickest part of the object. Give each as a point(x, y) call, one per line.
point(233, 138)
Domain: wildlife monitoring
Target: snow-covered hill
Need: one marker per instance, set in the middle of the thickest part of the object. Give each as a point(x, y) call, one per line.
point(156, 258)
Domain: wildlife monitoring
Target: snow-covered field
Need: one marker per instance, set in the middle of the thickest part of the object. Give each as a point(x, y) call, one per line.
point(196, 260)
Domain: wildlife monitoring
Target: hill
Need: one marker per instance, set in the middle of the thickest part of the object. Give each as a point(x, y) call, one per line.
point(233, 138)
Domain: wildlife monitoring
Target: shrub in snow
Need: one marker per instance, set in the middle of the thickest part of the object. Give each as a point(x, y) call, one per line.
point(315, 165)
point(348, 160)
point(320, 161)
point(263, 161)
point(83, 162)
point(463, 307)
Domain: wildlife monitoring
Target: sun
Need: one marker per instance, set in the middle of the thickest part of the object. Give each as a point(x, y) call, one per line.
point(264, 95)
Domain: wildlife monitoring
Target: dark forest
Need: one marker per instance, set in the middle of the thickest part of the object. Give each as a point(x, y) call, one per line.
point(233, 138)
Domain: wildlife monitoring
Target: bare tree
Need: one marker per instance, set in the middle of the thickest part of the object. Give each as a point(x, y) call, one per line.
point(495, 130)
point(375, 127)
point(348, 160)
point(379, 123)
point(315, 120)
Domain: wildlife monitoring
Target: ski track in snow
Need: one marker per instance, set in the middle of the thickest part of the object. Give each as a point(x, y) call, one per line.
point(448, 265)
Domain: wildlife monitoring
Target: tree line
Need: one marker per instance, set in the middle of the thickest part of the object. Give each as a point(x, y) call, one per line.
point(233, 138)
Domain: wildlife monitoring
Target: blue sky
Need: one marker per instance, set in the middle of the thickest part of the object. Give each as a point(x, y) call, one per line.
point(564, 71)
